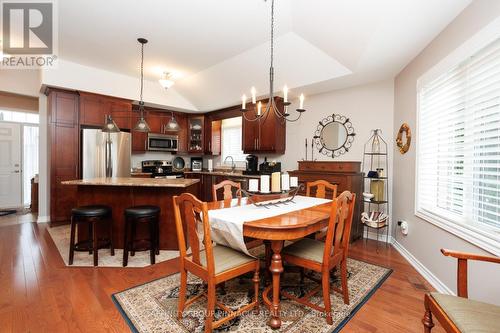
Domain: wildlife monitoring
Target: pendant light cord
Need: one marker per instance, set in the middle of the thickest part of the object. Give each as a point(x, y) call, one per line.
point(272, 32)
point(142, 70)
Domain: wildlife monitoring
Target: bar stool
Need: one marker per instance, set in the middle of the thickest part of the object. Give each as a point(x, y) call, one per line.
point(92, 216)
point(141, 214)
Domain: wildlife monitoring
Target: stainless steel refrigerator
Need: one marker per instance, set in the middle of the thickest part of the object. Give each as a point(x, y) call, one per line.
point(105, 154)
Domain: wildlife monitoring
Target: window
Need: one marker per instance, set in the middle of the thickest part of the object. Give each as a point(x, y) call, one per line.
point(19, 117)
point(458, 159)
point(231, 129)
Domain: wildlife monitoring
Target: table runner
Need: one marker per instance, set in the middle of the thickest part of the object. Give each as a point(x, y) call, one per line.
point(227, 223)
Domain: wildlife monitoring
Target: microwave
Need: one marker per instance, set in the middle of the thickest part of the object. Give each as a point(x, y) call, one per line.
point(162, 142)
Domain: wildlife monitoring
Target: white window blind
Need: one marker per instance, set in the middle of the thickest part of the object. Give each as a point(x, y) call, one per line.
point(458, 168)
point(231, 129)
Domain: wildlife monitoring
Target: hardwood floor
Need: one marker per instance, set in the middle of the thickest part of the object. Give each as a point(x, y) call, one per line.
point(39, 294)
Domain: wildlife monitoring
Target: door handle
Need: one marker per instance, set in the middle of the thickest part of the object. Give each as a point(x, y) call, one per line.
point(16, 171)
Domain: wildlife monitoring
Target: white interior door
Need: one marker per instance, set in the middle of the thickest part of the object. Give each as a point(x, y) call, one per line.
point(10, 165)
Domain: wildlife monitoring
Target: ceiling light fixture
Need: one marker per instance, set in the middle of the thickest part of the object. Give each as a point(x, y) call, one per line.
point(110, 126)
point(142, 125)
point(166, 80)
point(271, 104)
point(172, 124)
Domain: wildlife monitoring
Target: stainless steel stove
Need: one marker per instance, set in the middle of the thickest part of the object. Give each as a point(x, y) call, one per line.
point(161, 169)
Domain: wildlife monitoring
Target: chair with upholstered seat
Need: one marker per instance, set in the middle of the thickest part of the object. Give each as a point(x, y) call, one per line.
point(212, 264)
point(322, 257)
point(458, 314)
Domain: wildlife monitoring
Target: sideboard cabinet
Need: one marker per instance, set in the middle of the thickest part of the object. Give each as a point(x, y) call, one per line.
point(347, 176)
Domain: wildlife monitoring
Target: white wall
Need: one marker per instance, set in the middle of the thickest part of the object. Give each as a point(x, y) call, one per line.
point(73, 76)
point(44, 162)
point(425, 239)
point(368, 106)
point(20, 81)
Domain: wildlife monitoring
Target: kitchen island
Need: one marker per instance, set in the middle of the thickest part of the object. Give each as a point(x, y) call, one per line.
point(121, 193)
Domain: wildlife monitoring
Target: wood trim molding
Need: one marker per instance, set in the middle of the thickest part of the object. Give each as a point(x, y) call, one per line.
point(15, 102)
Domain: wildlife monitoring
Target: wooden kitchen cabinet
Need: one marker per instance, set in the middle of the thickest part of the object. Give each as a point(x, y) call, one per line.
point(64, 136)
point(196, 134)
point(94, 109)
point(267, 135)
point(121, 111)
point(348, 177)
point(212, 137)
point(138, 139)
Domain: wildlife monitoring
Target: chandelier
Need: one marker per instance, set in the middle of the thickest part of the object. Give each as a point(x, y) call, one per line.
point(271, 104)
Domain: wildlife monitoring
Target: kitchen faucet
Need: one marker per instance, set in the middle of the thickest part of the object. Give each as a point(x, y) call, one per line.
point(233, 166)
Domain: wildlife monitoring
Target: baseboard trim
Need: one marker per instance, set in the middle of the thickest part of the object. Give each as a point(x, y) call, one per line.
point(43, 219)
point(424, 271)
point(381, 237)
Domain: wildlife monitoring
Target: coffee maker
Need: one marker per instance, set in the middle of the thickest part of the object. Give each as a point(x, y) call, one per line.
point(252, 164)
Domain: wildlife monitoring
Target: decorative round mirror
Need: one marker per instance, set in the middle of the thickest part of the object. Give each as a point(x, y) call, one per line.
point(404, 143)
point(334, 135)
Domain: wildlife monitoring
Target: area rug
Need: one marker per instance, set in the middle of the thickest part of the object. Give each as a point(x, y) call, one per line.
point(152, 307)
point(61, 235)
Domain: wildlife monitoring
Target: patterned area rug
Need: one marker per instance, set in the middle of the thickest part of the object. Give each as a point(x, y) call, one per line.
point(152, 307)
point(60, 235)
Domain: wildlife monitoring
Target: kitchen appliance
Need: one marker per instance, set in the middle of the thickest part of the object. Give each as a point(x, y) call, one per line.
point(267, 168)
point(160, 169)
point(105, 154)
point(196, 163)
point(252, 164)
point(178, 164)
point(162, 142)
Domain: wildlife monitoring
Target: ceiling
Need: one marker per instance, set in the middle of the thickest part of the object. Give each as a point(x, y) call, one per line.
point(220, 48)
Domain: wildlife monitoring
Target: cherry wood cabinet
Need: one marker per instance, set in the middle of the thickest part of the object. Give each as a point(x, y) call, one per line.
point(267, 135)
point(157, 121)
point(196, 134)
point(347, 176)
point(121, 111)
point(63, 109)
point(138, 139)
point(94, 108)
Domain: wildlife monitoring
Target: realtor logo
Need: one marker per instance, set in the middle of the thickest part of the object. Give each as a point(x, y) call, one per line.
point(28, 32)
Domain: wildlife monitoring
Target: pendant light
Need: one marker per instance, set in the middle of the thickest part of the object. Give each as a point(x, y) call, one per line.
point(261, 112)
point(110, 125)
point(142, 125)
point(172, 124)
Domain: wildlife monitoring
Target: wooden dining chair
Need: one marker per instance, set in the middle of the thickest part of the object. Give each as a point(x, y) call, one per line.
point(322, 257)
point(213, 264)
point(321, 186)
point(460, 314)
point(228, 186)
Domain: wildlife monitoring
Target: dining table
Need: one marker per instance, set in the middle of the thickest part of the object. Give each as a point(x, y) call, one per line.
point(274, 231)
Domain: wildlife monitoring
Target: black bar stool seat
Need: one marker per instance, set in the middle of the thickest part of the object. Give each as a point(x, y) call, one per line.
point(142, 211)
point(141, 214)
point(91, 211)
point(91, 215)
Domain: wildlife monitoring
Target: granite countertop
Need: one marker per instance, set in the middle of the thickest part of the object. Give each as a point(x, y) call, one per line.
point(140, 173)
point(222, 173)
point(130, 181)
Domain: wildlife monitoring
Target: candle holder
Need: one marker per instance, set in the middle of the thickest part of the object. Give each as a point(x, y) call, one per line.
point(272, 199)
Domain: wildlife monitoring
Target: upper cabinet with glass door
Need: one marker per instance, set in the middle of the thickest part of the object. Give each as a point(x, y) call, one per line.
point(196, 134)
